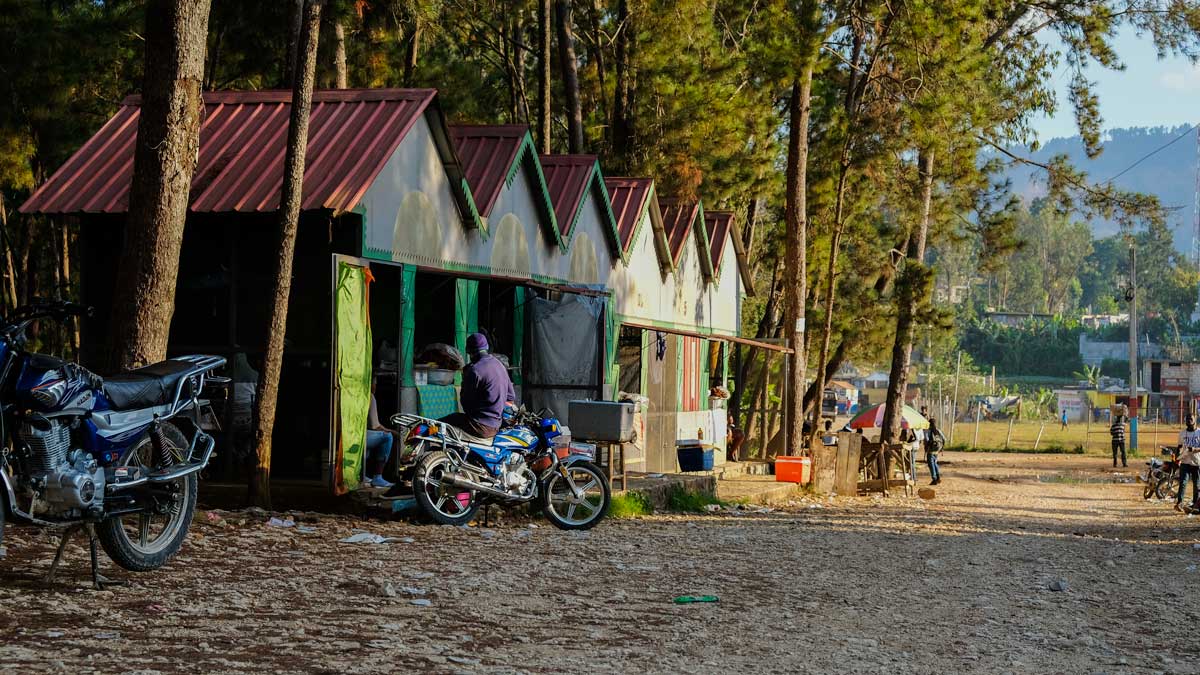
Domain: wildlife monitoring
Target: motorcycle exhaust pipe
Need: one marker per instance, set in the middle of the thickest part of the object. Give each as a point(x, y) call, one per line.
point(465, 484)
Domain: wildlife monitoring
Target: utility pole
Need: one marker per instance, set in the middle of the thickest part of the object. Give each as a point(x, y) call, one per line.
point(1131, 295)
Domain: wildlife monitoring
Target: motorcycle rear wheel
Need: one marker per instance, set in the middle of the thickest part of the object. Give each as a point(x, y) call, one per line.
point(442, 504)
point(566, 512)
point(127, 539)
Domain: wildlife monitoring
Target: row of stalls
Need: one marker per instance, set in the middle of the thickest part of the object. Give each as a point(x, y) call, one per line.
point(415, 232)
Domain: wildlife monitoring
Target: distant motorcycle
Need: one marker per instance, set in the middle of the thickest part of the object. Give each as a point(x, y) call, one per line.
point(115, 457)
point(1162, 475)
point(454, 474)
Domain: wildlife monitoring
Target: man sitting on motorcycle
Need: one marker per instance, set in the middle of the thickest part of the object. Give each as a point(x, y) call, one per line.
point(486, 389)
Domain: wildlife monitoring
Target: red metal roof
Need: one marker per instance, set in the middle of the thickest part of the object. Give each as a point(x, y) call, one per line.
point(719, 223)
point(628, 197)
point(352, 133)
point(488, 152)
point(678, 217)
point(567, 178)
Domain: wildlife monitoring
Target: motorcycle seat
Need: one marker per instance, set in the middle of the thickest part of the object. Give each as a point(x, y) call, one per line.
point(146, 387)
point(475, 440)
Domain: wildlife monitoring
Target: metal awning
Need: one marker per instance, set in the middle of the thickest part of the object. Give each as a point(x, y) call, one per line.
point(725, 338)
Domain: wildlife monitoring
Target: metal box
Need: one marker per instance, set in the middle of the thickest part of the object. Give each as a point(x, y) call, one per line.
point(606, 421)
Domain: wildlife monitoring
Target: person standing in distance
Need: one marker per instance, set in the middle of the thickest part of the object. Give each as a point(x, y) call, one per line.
point(1117, 431)
point(1189, 463)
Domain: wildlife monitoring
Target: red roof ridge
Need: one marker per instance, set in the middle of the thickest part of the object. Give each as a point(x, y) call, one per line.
point(318, 96)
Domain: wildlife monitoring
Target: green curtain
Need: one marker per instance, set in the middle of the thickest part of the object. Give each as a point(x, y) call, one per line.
point(612, 332)
point(353, 372)
point(408, 308)
point(466, 315)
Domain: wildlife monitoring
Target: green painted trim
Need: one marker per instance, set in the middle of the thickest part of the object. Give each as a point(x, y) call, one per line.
point(518, 346)
point(704, 374)
point(645, 358)
point(466, 315)
point(528, 153)
point(705, 248)
point(476, 219)
point(408, 309)
point(597, 182)
point(678, 371)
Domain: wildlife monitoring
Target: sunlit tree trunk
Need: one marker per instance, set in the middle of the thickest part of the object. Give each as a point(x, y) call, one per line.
point(168, 141)
point(289, 218)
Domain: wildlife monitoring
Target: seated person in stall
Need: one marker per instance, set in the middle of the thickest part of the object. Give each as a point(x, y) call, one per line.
point(486, 390)
point(379, 446)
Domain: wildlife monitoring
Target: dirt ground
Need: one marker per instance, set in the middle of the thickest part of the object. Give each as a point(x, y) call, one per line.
point(962, 583)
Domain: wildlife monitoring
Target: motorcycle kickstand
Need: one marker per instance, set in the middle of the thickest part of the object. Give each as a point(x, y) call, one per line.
point(62, 545)
point(99, 581)
point(487, 514)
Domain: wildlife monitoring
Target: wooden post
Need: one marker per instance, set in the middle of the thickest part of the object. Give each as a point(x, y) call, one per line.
point(1039, 436)
point(1008, 436)
point(975, 444)
point(954, 403)
point(1087, 434)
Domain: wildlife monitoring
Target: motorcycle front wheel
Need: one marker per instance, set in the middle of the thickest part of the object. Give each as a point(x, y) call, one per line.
point(1167, 487)
point(444, 504)
point(1151, 483)
point(567, 511)
point(145, 541)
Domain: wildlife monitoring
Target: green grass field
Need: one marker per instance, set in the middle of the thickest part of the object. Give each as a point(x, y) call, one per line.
point(1024, 436)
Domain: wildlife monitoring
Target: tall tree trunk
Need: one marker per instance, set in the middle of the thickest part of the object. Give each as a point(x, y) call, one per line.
point(214, 60)
point(750, 232)
point(289, 217)
point(340, 71)
point(835, 245)
point(10, 283)
point(596, 54)
point(569, 68)
point(168, 143)
point(295, 14)
point(412, 52)
point(543, 135)
point(519, 56)
point(796, 267)
point(72, 325)
point(622, 116)
point(902, 347)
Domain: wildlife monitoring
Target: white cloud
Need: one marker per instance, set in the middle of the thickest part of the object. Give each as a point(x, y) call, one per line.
point(1185, 80)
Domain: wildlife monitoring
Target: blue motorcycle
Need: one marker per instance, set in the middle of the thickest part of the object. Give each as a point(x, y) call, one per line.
point(117, 457)
point(454, 473)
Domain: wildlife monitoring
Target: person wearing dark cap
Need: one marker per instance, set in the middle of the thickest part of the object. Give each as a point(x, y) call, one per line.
point(486, 389)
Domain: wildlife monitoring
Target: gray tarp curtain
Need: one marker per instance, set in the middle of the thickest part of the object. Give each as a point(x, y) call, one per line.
point(565, 343)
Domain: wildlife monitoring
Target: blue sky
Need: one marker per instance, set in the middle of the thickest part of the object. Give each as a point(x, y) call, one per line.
point(1149, 92)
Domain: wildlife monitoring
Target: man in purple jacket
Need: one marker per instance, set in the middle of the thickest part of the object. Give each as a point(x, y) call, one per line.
point(486, 388)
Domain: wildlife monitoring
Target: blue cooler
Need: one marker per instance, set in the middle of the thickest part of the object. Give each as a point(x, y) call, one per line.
point(694, 456)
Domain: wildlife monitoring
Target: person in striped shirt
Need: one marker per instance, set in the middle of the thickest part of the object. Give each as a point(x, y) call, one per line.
point(1117, 431)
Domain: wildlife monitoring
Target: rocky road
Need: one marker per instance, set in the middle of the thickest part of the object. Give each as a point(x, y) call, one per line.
point(1021, 563)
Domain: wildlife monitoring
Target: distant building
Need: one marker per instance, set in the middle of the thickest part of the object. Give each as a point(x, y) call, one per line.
point(1015, 319)
point(1103, 320)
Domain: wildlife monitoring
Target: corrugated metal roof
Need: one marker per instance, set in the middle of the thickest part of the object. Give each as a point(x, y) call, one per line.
point(243, 138)
point(567, 179)
point(488, 153)
point(678, 217)
point(719, 223)
point(628, 196)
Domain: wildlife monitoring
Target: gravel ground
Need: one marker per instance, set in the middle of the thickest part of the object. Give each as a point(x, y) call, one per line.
point(962, 583)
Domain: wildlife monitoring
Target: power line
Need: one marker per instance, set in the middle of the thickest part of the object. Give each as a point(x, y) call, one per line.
point(1153, 152)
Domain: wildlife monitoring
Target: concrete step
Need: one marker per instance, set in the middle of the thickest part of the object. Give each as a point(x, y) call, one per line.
point(757, 490)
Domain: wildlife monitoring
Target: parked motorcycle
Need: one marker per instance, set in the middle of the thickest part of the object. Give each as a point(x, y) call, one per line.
point(116, 457)
point(454, 474)
point(1162, 475)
